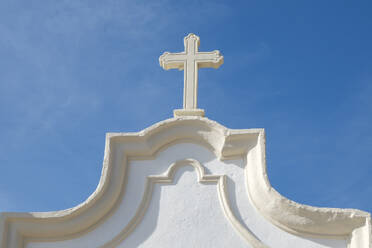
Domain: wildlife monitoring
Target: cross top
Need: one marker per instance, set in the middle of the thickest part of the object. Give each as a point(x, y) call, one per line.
point(190, 61)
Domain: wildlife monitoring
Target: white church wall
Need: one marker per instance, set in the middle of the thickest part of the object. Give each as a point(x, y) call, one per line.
point(186, 213)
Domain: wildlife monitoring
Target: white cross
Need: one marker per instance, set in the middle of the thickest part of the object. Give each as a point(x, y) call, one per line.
point(190, 61)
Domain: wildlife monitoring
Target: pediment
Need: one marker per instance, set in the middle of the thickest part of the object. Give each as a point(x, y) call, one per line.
point(230, 163)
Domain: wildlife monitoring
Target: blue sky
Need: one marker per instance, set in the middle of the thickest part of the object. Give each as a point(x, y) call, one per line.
point(72, 70)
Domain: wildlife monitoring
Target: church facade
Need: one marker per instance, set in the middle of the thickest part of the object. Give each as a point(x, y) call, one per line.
point(187, 182)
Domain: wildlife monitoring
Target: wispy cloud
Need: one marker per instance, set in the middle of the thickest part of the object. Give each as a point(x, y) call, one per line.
point(48, 43)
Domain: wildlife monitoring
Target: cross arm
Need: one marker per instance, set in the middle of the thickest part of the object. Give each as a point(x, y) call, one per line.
point(172, 60)
point(209, 59)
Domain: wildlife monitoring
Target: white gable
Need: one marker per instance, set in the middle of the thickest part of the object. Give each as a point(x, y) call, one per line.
point(187, 182)
point(186, 212)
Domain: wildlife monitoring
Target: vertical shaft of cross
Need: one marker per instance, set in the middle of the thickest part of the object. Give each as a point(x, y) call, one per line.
point(190, 61)
point(190, 93)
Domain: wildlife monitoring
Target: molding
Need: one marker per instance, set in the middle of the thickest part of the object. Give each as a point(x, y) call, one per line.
point(188, 112)
point(16, 229)
point(302, 219)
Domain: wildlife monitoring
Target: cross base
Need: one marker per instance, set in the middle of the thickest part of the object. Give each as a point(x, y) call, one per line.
point(188, 112)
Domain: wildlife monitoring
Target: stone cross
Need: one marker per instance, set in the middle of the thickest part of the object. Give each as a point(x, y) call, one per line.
point(190, 61)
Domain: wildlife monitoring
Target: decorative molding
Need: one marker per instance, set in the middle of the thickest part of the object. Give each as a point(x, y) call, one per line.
point(16, 229)
point(188, 112)
point(299, 219)
point(167, 178)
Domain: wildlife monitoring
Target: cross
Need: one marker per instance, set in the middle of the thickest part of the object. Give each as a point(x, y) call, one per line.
point(190, 61)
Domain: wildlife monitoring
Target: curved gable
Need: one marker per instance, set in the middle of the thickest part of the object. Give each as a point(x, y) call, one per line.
point(20, 229)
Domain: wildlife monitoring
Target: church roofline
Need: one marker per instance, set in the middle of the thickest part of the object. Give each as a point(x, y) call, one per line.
point(19, 228)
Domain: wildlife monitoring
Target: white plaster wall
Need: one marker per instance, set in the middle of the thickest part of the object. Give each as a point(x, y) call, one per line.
point(187, 213)
point(195, 221)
